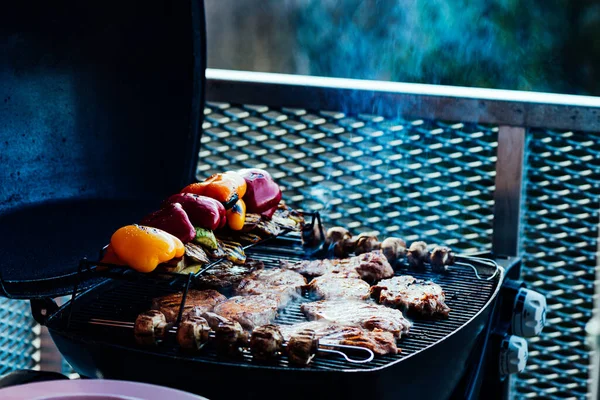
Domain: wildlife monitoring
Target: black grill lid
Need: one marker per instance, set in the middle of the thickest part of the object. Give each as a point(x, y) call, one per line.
point(101, 110)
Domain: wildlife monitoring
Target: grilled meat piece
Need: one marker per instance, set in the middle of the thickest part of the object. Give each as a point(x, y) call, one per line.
point(225, 276)
point(366, 315)
point(284, 283)
point(204, 300)
point(373, 266)
point(149, 327)
point(417, 255)
point(416, 295)
point(369, 266)
point(193, 333)
point(440, 258)
point(230, 338)
point(380, 343)
point(249, 311)
point(332, 286)
point(302, 347)
point(196, 253)
point(214, 320)
point(266, 342)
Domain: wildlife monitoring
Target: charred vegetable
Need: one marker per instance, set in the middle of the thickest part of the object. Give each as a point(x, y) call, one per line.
point(173, 219)
point(193, 333)
point(236, 216)
point(203, 212)
point(393, 249)
point(206, 238)
point(227, 188)
point(262, 194)
point(143, 248)
point(266, 342)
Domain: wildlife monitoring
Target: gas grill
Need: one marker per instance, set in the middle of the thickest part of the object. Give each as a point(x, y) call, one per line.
point(345, 148)
point(94, 331)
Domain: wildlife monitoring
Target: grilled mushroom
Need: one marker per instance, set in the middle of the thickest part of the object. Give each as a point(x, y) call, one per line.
point(417, 254)
point(336, 240)
point(302, 347)
point(266, 342)
point(366, 243)
point(149, 327)
point(393, 249)
point(193, 333)
point(229, 338)
point(441, 257)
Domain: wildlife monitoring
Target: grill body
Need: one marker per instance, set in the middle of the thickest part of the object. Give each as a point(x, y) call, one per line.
point(429, 353)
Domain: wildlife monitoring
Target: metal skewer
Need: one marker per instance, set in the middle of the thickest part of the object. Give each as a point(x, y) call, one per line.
point(323, 347)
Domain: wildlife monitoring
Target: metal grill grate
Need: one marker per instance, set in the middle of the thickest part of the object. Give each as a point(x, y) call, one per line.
point(561, 232)
point(465, 295)
point(412, 178)
point(19, 343)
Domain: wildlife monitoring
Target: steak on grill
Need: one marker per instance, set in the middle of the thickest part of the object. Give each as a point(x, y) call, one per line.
point(226, 276)
point(415, 295)
point(366, 315)
point(378, 342)
point(250, 311)
point(201, 300)
point(371, 266)
point(332, 286)
point(284, 283)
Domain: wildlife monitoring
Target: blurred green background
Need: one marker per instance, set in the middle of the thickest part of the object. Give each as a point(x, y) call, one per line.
point(539, 45)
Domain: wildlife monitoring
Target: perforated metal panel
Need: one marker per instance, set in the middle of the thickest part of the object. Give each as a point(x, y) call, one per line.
point(433, 181)
point(415, 179)
point(19, 336)
point(560, 242)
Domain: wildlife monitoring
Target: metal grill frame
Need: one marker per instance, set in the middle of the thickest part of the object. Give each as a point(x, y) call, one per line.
point(517, 115)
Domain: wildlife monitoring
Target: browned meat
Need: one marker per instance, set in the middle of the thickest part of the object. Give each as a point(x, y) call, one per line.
point(369, 266)
point(192, 333)
point(378, 342)
point(266, 342)
point(332, 286)
point(204, 300)
point(366, 315)
point(249, 311)
point(225, 276)
point(416, 295)
point(302, 346)
point(284, 283)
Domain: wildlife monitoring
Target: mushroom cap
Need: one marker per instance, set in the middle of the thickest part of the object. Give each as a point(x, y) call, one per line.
point(336, 234)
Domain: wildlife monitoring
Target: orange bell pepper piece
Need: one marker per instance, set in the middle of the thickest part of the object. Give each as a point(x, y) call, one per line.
point(143, 248)
point(236, 216)
point(227, 188)
point(110, 257)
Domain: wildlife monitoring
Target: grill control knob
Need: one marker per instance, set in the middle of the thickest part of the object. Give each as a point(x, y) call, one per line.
point(513, 355)
point(529, 313)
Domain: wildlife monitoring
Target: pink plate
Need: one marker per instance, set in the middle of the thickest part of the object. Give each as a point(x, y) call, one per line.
point(97, 389)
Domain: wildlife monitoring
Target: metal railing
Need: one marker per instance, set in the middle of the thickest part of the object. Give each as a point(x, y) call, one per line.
point(515, 172)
